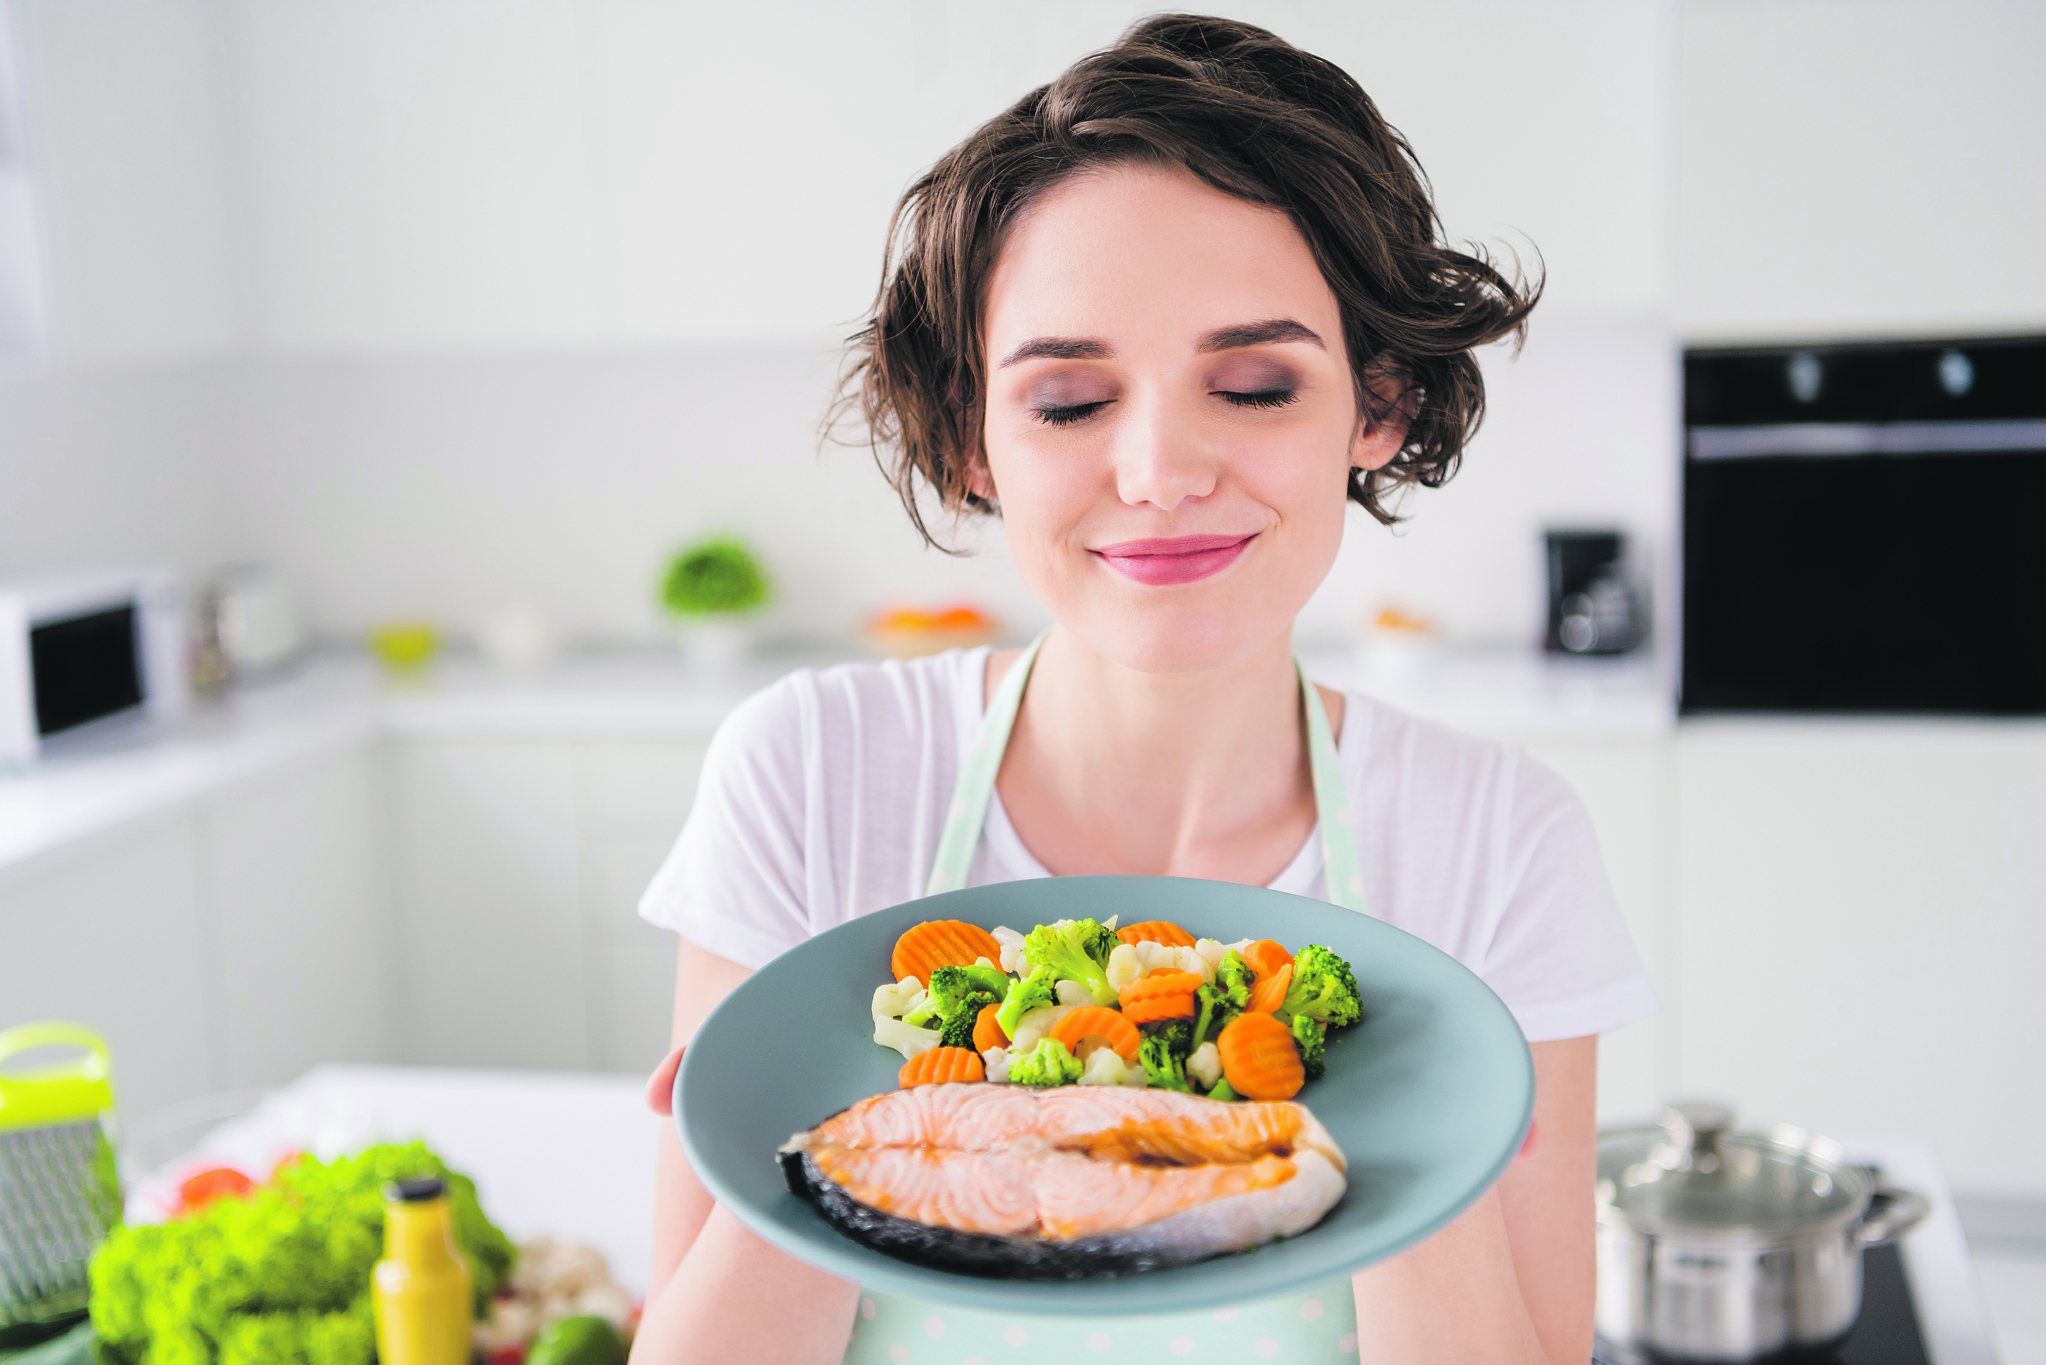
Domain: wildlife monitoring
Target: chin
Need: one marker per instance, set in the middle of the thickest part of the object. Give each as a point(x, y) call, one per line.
point(1187, 636)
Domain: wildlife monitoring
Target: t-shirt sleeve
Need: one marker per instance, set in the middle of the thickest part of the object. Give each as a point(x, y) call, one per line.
point(1560, 955)
point(735, 882)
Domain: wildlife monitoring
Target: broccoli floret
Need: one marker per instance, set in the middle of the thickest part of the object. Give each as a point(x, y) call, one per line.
point(958, 993)
point(1310, 1037)
point(1075, 950)
point(1214, 1007)
point(1234, 977)
point(1224, 1091)
point(1046, 1064)
point(1324, 989)
point(958, 1029)
point(1164, 1052)
point(1032, 992)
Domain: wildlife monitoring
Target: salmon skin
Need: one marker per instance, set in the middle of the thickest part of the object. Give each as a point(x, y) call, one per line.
point(1076, 1182)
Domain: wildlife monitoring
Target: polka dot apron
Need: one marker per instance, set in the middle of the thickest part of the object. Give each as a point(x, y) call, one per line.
point(1319, 1325)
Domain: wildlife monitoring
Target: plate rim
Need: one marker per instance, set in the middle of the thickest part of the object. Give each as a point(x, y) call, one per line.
point(862, 1265)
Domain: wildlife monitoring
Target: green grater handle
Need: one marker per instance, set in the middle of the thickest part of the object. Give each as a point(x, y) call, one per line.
point(66, 1092)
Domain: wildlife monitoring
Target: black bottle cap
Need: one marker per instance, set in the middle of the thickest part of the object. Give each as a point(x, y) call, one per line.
point(415, 1191)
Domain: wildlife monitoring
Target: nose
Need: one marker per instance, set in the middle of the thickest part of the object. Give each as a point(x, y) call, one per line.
point(1160, 458)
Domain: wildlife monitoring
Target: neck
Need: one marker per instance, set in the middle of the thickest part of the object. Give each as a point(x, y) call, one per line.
point(1195, 774)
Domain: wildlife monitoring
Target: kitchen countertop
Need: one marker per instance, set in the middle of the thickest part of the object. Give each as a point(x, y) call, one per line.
point(571, 1156)
point(341, 700)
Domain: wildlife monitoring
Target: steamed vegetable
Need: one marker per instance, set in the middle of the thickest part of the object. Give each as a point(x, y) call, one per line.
point(942, 1064)
point(1163, 1054)
point(1323, 989)
point(1049, 1063)
point(1075, 950)
point(1032, 992)
point(924, 948)
point(1259, 1058)
point(1234, 975)
point(1095, 1021)
point(1311, 1037)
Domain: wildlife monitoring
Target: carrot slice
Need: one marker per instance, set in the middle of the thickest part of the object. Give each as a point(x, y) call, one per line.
point(941, 1064)
point(1099, 1019)
point(1260, 1059)
point(1270, 991)
point(1157, 984)
point(941, 943)
point(1156, 931)
point(1153, 1008)
point(1264, 956)
point(987, 1029)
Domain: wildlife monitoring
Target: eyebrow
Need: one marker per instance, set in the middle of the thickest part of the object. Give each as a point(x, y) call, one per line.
point(1267, 332)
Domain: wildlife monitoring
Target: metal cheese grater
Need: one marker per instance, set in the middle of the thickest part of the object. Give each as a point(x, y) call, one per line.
point(59, 1193)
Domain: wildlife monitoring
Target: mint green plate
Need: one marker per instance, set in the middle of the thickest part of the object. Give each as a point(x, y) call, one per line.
point(1429, 1097)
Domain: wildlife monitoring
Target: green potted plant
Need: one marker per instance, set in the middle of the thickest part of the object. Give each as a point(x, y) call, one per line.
point(712, 587)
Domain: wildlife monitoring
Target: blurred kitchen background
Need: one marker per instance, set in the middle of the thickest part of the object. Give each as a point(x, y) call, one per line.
point(451, 321)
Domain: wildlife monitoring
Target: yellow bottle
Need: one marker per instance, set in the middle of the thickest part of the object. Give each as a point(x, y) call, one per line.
point(421, 1290)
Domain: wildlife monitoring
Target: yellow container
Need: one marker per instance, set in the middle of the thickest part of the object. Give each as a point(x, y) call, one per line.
point(421, 1290)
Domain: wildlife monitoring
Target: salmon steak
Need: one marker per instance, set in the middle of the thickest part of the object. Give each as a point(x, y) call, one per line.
point(1074, 1182)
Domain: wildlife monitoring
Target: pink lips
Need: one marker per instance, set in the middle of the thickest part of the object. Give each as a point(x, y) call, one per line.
point(1177, 559)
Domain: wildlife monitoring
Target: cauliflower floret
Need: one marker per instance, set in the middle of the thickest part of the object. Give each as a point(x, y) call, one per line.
point(1105, 1067)
point(1074, 994)
point(1157, 957)
point(890, 1004)
point(1013, 961)
point(996, 1060)
point(1124, 965)
point(1109, 923)
point(1205, 1064)
point(1211, 951)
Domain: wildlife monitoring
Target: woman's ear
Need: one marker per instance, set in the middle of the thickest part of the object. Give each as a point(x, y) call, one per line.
point(979, 481)
point(1382, 428)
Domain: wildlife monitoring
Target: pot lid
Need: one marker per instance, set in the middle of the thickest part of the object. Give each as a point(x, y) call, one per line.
point(1695, 1174)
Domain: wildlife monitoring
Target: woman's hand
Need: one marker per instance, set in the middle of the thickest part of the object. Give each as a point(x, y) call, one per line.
point(716, 1292)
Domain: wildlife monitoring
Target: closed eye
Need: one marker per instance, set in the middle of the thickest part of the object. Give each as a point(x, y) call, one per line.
point(1258, 398)
point(1055, 416)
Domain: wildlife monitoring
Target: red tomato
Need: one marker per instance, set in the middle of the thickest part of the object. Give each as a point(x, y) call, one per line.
point(216, 1182)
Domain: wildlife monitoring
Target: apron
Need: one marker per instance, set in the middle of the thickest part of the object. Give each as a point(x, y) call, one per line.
point(1318, 1325)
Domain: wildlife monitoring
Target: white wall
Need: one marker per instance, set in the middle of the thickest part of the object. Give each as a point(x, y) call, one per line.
point(1860, 167)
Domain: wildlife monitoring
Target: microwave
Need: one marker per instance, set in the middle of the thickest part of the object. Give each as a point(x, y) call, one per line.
point(83, 656)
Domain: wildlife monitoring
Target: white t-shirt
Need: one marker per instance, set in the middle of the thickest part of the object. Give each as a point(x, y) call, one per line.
point(823, 797)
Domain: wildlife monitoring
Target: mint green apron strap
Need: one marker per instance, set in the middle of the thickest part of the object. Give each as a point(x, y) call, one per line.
point(977, 772)
point(1332, 814)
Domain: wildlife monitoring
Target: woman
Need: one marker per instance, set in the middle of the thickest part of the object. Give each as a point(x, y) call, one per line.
point(1168, 316)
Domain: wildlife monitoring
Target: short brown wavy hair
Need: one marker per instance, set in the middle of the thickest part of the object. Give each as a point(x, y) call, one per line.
point(1251, 115)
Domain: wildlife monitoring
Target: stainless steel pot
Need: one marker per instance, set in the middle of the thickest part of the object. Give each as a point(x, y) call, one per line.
point(1720, 1246)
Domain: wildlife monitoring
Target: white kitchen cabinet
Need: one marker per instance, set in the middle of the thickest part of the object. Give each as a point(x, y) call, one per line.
point(632, 797)
point(490, 950)
point(1863, 919)
point(297, 889)
point(111, 933)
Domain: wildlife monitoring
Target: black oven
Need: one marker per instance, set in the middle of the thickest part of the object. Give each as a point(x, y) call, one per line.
point(1865, 528)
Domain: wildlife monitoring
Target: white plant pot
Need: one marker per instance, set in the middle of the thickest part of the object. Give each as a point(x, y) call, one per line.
point(716, 647)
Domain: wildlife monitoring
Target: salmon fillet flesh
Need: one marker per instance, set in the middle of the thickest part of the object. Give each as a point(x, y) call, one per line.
point(1068, 1183)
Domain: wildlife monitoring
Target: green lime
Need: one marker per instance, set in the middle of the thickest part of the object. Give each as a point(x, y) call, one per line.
point(586, 1340)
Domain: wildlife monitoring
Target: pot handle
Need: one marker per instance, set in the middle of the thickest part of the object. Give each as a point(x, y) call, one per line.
point(1892, 1213)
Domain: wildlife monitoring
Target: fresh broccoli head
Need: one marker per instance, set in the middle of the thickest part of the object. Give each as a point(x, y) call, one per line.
point(1310, 1037)
point(1046, 1064)
point(1032, 992)
point(1213, 1008)
point(955, 1000)
point(1163, 1054)
point(1075, 950)
point(1324, 989)
point(1234, 977)
point(1224, 1091)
